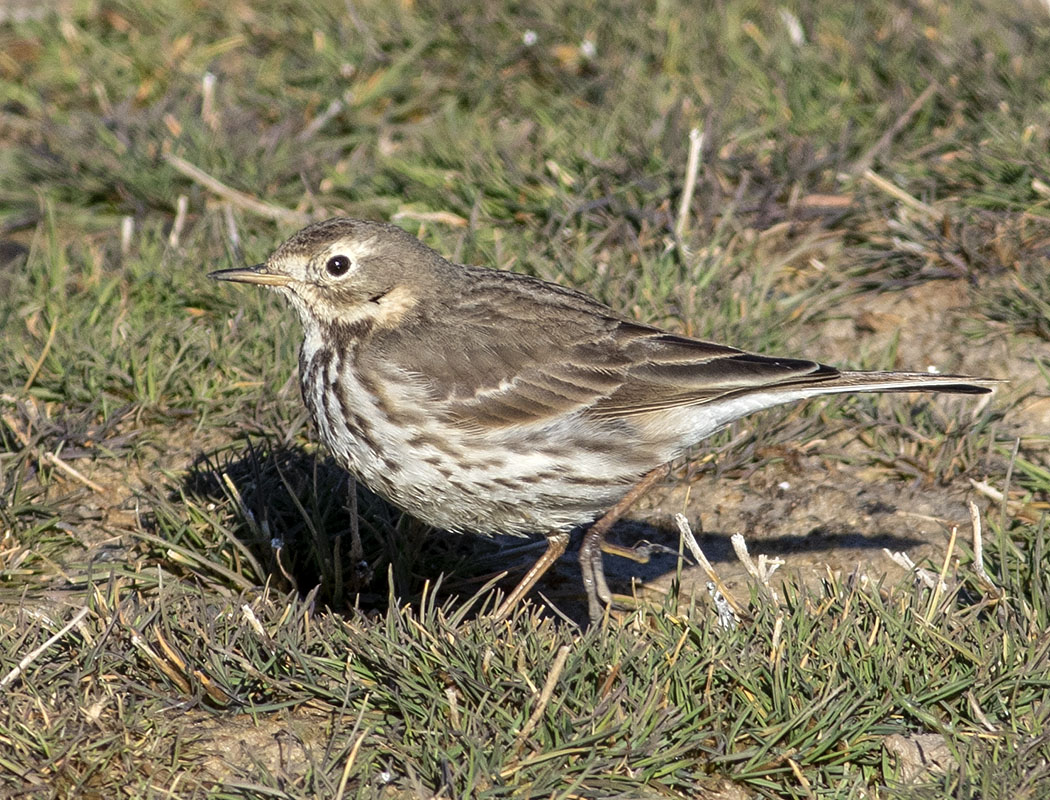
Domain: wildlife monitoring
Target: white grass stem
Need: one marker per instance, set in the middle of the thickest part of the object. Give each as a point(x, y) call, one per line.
point(182, 206)
point(897, 193)
point(545, 693)
point(21, 666)
point(761, 572)
point(978, 552)
point(692, 167)
point(686, 533)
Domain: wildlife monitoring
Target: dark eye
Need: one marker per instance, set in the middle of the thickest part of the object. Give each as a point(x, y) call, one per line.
point(337, 265)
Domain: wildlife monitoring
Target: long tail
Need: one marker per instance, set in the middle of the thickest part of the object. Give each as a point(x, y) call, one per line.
point(828, 380)
point(906, 382)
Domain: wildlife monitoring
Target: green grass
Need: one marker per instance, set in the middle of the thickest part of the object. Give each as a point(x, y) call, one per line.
point(365, 664)
point(664, 702)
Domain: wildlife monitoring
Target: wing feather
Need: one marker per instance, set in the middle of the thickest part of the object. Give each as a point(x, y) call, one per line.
point(502, 363)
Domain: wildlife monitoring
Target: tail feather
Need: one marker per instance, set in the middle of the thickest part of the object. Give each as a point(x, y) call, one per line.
point(908, 382)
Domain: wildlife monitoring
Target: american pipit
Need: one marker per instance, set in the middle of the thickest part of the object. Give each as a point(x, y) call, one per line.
point(486, 401)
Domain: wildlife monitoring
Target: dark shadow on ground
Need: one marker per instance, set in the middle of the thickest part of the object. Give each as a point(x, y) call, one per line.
point(294, 511)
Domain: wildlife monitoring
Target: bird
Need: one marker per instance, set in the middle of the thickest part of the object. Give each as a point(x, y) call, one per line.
point(487, 401)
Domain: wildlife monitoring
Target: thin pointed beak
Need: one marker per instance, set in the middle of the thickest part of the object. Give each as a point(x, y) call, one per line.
point(257, 274)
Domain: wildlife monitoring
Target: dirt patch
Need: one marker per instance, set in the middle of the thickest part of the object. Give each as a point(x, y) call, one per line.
point(925, 325)
point(825, 519)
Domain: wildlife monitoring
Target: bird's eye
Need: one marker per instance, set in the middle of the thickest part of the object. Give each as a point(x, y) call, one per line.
point(337, 265)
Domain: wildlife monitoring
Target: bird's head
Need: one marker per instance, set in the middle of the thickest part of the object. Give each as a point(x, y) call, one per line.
point(346, 272)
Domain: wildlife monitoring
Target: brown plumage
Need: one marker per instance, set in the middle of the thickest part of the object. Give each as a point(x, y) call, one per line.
point(491, 402)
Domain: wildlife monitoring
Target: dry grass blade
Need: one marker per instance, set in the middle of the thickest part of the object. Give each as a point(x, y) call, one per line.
point(235, 196)
point(34, 654)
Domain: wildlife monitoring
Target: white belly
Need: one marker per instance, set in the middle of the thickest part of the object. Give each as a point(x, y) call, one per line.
point(517, 481)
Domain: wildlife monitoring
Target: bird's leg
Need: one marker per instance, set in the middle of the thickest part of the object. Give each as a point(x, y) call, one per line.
point(556, 544)
point(594, 579)
point(594, 544)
